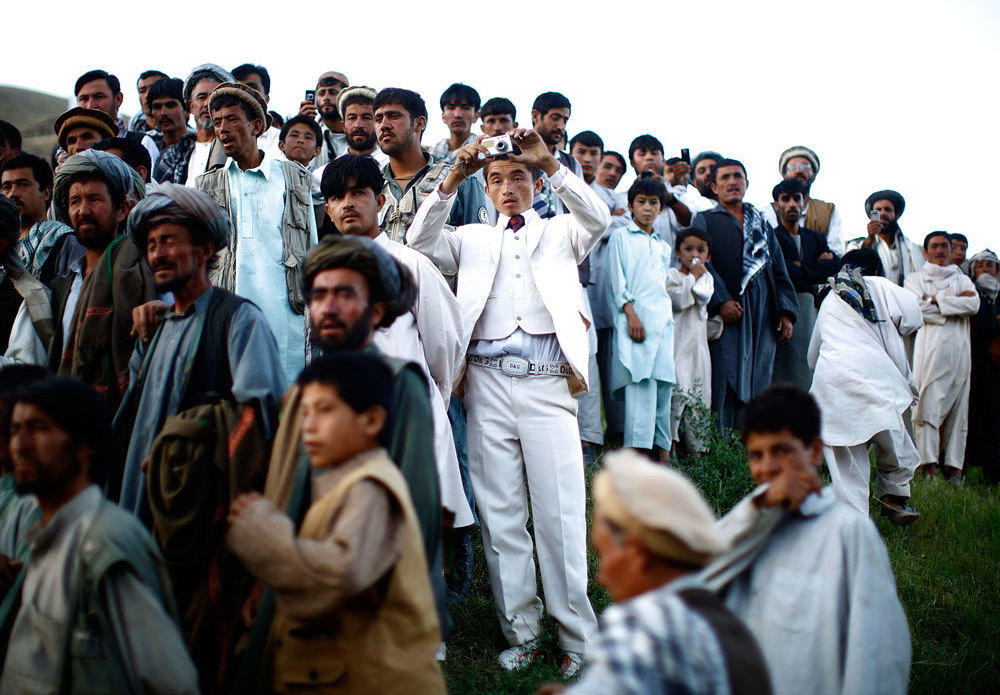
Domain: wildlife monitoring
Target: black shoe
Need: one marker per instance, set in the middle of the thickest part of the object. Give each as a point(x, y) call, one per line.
point(898, 511)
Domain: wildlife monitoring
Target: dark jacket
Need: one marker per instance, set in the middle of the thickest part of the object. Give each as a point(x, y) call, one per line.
point(805, 269)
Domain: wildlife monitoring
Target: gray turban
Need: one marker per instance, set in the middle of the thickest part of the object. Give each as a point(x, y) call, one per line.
point(183, 205)
point(206, 71)
point(115, 172)
point(10, 219)
point(388, 280)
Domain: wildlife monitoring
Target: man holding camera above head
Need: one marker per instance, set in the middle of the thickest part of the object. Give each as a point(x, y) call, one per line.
point(525, 333)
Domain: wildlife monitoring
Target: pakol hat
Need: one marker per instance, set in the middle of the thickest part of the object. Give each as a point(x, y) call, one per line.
point(895, 198)
point(248, 95)
point(798, 151)
point(90, 118)
point(367, 93)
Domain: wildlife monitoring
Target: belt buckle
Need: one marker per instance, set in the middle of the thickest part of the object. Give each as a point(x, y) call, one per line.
point(513, 365)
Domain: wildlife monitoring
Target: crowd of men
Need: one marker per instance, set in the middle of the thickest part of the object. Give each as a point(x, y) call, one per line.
point(263, 378)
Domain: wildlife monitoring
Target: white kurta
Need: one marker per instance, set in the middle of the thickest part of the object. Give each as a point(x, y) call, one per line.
point(430, 335)
point(816, 589)
point(692, 361)
point(942, 362)
point(901, 261)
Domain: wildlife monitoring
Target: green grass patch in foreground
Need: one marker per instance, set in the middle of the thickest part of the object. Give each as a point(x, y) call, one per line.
point(947, 568)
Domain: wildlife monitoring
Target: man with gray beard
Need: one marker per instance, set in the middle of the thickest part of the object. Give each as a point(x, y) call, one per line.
point(198, 88)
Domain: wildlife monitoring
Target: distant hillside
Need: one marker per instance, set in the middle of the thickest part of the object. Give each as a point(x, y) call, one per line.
point(34, 114)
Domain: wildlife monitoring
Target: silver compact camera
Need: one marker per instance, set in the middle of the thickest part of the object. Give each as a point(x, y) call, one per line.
point(499, 146)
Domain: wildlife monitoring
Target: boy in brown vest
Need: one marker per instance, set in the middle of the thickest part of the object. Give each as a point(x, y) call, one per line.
point(354, 606)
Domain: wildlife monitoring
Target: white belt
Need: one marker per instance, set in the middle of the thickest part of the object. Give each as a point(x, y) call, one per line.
point(515, 365)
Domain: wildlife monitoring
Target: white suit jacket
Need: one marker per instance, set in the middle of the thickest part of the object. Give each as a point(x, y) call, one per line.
point(556, 247)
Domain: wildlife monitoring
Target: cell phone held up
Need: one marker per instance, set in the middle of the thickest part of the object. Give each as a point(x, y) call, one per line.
point(875, 216)
point(311, 96)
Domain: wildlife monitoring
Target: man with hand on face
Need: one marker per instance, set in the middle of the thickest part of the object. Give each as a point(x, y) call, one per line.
point(169, 110)
point(900, 257)
point(701, 173)
point(802, 164)
point(753, 294)
point(942, 358)
point(328, 88)
point(525, 334)
point(207, 153)
point(459, 110)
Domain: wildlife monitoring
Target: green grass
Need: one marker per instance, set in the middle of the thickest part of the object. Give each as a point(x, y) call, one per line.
point(947, 569)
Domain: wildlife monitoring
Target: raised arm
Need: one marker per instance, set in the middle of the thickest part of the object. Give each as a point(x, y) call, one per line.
point(428, 235)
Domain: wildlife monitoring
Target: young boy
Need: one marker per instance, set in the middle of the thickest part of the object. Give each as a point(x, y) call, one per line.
point(354, 606)
point(690, 288)
point(643, 365)
point(459, 110)
point(301, 140)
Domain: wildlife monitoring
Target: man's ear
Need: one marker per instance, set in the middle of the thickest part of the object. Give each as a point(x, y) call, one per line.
point(538, 185)
point(536, 117)
point(816, 452)
point(281, 145)
point(258, 131)
point(328, 206)
point(378, 313)
point(419, 124)
point(379, 201)
point(119, 97)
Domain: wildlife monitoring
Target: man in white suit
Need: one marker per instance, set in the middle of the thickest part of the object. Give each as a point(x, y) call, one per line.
point(525, 336)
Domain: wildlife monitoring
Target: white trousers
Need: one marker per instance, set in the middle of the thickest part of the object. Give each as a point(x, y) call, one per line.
point(524, 430)
point(945, 443)
point(896, 459)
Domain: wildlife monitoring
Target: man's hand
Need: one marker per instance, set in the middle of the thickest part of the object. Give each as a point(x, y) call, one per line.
point(785, 328)
point(731, 312)
point(678, 172)
point(636, 331)
point(874, 227)
point(467, 163)
point(249, 610)
point(308, 108)
point(551, 689)
point(790, 489)
point(826, 256)
point(617, 211)
point(240, 504)
point(534, 151)
point(145, 320)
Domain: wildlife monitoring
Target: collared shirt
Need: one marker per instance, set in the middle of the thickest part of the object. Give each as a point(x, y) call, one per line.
point(254, 368)
point(257, 199)
point(443, 152)
point(655, 643)
point(198, 161)
point(172, 166)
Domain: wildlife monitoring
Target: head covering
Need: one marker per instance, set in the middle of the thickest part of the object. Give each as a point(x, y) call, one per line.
point(986, 283)
point(707, 154)
point(91, 118)
point(798, 151)
point(985, 255)
point(339, 76)
point(659, 506)
point(186, 200)
point(360, 90)
point(10, 219)
point(248, 95)
point(388, 280)
point(206, 71)
point(849, 285)
point(895, 198)
point(114, 171)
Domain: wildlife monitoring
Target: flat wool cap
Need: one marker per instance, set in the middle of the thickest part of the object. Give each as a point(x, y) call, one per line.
point(248, 95)
point(90, 118)
point(798, 151)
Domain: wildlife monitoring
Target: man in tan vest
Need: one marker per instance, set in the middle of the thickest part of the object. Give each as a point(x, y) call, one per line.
point(801, 163)
point(355, 611)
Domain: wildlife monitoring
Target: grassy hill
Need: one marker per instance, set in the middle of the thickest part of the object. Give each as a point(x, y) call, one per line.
point(34, 114)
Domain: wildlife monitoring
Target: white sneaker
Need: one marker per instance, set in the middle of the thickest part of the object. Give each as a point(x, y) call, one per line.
point(572, 664)
point(521, 656)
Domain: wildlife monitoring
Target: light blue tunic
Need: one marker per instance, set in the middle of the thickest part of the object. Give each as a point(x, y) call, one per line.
point(637, 267)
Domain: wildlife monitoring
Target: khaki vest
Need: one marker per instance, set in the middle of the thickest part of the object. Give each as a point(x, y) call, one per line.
point(818, 215)
point(371, 644)
point(397, 214)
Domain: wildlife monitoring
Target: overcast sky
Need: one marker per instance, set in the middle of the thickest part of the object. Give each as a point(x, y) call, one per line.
point(899, 95)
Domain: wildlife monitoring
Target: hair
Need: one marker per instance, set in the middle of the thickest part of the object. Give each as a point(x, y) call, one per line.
point(12, 379)
point(535, 172)
point(648, 186)
point(728, 163)
point(645, 142)
point(587, 138)
point(40, 169)
point(782, 407)
point(330, 81)
point(865, 259)
point(241, 72)
point(546, 101)
point(619, 157)
point(408, 99)
point(113, 84)
point(927, 239)
point(146, 74)
point(956, 236)
point(170, 87)
point(459, 93)
point(225, 101)
point(498, 106)
point(788, 187)
point(117, 194)
point(79, 411)
point(277, 119)
point(133, 153)
point(351, 171)
point(686, 232)
point(302, 120)
point(10, 134)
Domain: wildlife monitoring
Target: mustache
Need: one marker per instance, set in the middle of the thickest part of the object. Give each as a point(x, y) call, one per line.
point(163, 265)
point(331, 321)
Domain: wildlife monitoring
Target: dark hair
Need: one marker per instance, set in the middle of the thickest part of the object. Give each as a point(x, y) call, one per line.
point(133, 153)
point(728, 163)
point(645, 142)
point(241, 72)
point(782, 407)
point(546, 101)
point(79, 411)
point(459, 93)
point(330, 81)
point(648, 186)
point(13, 378)
point(408, 99)
point(277, 119)
point(788, 187)
point(40, 169)
point(351, 171)
point(166, 87)
point(587, 138)
point(10, 134)
point(865, 259)
point(535, 172)
point(225, 101)
point(498, 106)
point(927, 239)
point(113, 84)
point(695, 232)
point(956, 236)
point(362, 380)
point(302, 120)
point(146, 74)
point(619, 157)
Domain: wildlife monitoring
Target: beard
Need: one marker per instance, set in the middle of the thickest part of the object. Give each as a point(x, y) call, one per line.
point(361, 140)
point(98, 238)
point(47, 475)
point(173, 283)
point(705, 189)
point(353, 338)
point(329, 113)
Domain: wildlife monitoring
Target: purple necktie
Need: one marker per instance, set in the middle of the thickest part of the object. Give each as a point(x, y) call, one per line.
point(515, 223)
